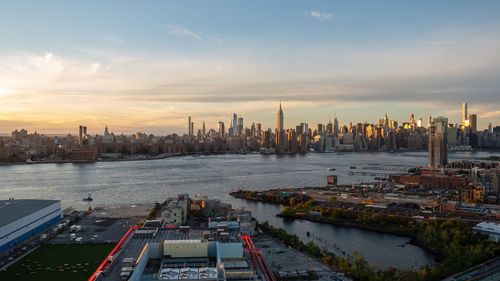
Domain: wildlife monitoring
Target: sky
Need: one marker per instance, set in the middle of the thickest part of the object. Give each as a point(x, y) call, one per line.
point(148, 65)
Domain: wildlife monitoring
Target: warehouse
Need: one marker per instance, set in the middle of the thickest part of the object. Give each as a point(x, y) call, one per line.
point(22, 219)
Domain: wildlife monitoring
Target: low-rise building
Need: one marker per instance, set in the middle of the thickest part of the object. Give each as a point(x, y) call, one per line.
point(184, 253)
point(176, 210)
point(22, 219)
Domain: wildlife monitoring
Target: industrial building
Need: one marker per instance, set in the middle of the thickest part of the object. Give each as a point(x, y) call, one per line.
point(22, 219)
point(491, 229)
point(184, 253)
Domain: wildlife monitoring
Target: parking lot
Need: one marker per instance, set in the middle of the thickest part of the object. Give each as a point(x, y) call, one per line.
point(104, 225)
point(290, 262)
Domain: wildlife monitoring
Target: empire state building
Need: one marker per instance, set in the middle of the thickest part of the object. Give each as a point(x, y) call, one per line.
point(279, 120)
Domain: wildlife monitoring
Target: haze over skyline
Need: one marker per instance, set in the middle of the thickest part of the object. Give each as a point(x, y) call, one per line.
point(148, 66)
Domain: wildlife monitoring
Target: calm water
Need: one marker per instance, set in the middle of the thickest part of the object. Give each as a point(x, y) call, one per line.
point(215, 176)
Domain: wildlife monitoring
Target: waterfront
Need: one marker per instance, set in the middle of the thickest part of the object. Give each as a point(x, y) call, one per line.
point(215, 176)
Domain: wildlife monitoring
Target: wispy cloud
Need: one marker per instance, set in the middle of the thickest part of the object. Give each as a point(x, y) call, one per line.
point(180, 31)
point(322, 16)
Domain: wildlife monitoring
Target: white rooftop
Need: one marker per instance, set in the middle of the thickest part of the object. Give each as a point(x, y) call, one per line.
point(488, 226)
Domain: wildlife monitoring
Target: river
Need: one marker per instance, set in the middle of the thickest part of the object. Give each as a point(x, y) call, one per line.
point(215, 176)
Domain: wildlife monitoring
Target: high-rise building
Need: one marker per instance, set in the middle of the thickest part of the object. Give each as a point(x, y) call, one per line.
point(258, 129)
point(279, 119)
point(82, 136)
point(412, 119)
point(438, 142)
point(204, 131)
point(222, 130)
point(473, 122)
point(329, 127)
point(464, 115)
point(240, 126)
point(490, 128)
point(190, 127)
point(234, 124)
point(429, 121)
point(335, 126)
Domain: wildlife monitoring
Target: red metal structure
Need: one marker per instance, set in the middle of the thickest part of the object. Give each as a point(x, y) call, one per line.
point(108, 259)
point(257, 257)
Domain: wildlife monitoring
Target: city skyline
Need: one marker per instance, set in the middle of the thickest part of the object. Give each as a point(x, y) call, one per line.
point(208, 61)
point(194, 124)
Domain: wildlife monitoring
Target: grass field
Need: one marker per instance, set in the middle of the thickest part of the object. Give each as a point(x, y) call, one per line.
point(58, 262)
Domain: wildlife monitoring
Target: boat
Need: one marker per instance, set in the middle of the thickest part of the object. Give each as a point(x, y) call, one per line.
point(331, 169)
point(353, 167)
point(88, 199)
point(308, 233)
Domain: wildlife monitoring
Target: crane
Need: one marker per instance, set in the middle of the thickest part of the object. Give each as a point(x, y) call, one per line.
point(245, 181)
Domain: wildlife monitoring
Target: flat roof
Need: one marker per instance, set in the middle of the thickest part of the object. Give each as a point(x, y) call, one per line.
point(12, 210)
point(488, 227)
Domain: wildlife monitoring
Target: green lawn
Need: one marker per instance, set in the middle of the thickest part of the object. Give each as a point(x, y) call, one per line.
point(58, 262)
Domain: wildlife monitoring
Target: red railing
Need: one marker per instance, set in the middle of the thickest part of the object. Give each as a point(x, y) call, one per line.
point(257, 258)
point(107, 261)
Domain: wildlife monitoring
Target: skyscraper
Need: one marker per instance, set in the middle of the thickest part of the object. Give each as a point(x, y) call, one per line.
point(279, 131)
point(258, 129)
point(464, 115)
point(82, 136)
point(438, 142)
point(190, 124)
point(279, 119)
point(473, 122)
point(240, 126)
point(222, 130)
point(234, 124)
point(335, 126)
point(204, 132)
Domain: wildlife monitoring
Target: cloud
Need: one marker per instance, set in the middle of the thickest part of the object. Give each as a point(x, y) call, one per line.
point(322, 16)
point(180, 31)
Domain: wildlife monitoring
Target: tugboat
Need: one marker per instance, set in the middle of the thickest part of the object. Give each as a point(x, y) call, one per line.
point(331, 169)
point(88, 199)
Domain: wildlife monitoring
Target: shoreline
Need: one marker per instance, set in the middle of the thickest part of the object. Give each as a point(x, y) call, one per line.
point(180, 154)
point(413, 238)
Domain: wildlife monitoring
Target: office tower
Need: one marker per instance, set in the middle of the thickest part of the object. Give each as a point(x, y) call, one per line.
point(204, 131)
point(438, 142)
point(258, 129)
point(266, 139)
point(464, 115)
point(240, 126)
point(473, 122)
point(419, 122)
point(234, 124)
point(279, 120)
point(335, 126)
point(386, 121)
point(429, 121)
point(329, 127)
point(82, 136)
point(222, 130)
point(320, 128)
point(412, 119)
point(490, 128)
point(190, 127)
point(253, 133)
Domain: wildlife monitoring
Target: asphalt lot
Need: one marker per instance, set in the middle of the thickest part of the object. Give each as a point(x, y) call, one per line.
point(105, 224)
point(289, 261)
